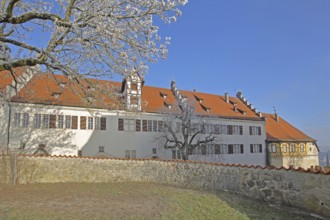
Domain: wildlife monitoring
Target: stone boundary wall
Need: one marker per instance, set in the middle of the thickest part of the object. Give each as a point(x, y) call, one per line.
point(306, 190)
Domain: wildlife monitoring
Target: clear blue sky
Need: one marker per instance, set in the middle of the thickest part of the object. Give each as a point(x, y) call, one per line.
point(277, 52)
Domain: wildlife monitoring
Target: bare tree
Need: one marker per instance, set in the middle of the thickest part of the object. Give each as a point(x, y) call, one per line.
point(84, 37)
point(184, 130)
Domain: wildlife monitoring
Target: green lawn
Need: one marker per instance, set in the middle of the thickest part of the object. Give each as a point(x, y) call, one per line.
point(126, 201)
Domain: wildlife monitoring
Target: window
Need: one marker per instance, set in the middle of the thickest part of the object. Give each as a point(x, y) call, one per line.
point(223, 149)
point(67, 121)
point(229, 129)
point(216, 129)
point(154, 150)
point(223, 129)
point(203, 149)
point(149, 125)
point(210, 149)
point(238, 130)
point(292, 148)
point(284, 148)
point(129, 154)
point(25, 120)
point(60, 121)
point(37, 121)
point(97, 123)
point(134, 86)
point(17, 119)
point(217, 149)
point(256, 148)
point(160, 126)
point(129, 124)
point(90, 123)
point(302, 147)
point(272, 148)
point(82, 122)
point(103, 124)
point(176, 154)
point(45, 121)
point(255, 130)
point(134, 100)
point(74, 122)
point(154, 125)
point(101, 149)
point(52, 121)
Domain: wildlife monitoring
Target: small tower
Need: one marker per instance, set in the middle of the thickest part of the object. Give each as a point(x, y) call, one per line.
point(4, 53)
point(132, 91)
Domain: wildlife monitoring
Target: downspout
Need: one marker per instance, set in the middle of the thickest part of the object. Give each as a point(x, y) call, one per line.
point(8, 127)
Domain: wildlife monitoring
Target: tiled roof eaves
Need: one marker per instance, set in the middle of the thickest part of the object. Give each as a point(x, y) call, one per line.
point(290, 140)
point(214, 116)
point(316, 170)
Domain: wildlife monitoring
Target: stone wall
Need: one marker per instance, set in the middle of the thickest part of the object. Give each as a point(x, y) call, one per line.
point(303, 189)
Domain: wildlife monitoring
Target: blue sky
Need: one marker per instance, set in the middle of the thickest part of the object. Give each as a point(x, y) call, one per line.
point(277, 52)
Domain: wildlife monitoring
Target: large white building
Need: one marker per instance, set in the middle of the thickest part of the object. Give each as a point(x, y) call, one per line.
point(112, 119)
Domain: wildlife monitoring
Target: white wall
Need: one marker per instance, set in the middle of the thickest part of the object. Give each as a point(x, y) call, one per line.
point(69, 141)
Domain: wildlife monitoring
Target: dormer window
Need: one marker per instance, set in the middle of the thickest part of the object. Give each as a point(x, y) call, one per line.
point(206, 108)
point(169, 106)
point(56, 95)
point(62, 84)
point(164, 95)
point(200, 100)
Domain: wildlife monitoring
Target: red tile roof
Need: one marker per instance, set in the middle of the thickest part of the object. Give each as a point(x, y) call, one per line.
point(42, 86)
point(6, 78)
point(281, 130)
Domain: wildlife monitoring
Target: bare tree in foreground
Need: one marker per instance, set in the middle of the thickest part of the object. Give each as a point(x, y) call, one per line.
point(84, 37)
point(184, 130)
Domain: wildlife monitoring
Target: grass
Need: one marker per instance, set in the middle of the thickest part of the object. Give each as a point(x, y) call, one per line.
point(129, 200)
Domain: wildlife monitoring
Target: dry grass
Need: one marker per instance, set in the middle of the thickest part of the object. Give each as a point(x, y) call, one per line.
point(126, 201)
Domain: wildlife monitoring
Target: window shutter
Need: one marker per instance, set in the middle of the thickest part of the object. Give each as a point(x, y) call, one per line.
point(160, 126)
point(242, 148)
point(138, 125)
point(259, 130)
point(74, 124)
point(260, 148)
point(145, 125)
point(52, 123)
point(250, 128)
point(241, 130)
point(82, 122)
point(103, 124)
point(251, 148)
point(230, 149)
point(120, 124)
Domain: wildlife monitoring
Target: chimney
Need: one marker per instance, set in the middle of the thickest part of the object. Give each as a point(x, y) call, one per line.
point(226, 97)
point(277, 118)
point(235, 107)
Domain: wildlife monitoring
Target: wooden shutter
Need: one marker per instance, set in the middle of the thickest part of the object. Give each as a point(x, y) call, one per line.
point(251, 148)
point(138, 125)
point(242, 148)
point(241, 130)
point(74, 122)
point(103, 123)
point(145, 125)
point(260, 148)
point(230, 149)
point(259, 130)
point(160, 126)
point(250, 128)
point(120, 124)
point(52, 121)
point(82, 122)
